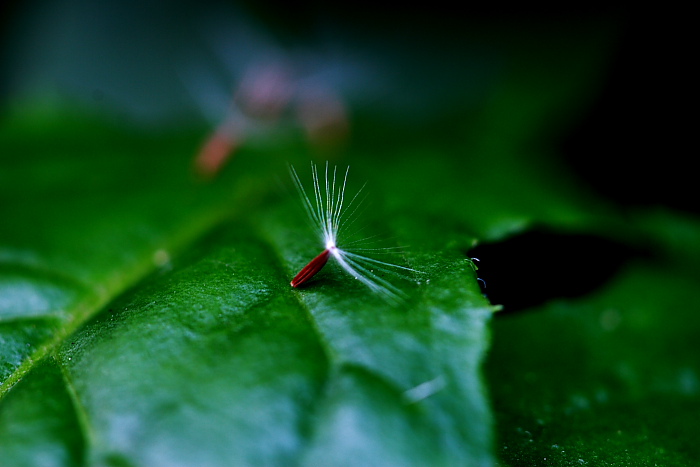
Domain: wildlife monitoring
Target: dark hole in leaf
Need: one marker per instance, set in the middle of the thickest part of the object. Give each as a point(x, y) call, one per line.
point(538, 266)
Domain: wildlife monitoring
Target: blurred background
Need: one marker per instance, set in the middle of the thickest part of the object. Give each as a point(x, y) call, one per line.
point(619, 141)
point(164, 63)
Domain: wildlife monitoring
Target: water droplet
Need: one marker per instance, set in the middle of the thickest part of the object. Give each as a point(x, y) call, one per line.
point(161, 258)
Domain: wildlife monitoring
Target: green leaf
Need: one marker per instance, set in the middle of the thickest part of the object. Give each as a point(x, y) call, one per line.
point(609, 380)
point(214, 359)
point(146, 317)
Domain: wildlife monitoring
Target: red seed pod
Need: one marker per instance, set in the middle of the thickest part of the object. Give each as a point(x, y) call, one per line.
point(311, 269)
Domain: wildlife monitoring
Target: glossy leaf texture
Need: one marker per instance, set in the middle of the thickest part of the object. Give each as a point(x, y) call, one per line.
point(213, 359)
point(609, 380)
point(146, 316)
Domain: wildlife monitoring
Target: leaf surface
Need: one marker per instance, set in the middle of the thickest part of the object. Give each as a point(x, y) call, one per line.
point(213, 358)
point(146, 317)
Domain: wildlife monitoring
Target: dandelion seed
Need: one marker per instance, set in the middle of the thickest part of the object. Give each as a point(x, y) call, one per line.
point(330, 213)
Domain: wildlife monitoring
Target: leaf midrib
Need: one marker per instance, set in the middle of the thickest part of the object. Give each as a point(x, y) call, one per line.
point(101, 295)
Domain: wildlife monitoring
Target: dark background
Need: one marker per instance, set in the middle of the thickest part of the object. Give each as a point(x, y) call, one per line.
point(632, 144)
